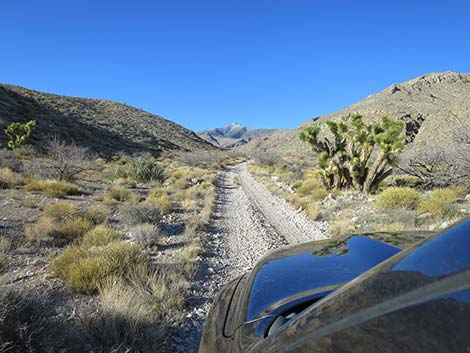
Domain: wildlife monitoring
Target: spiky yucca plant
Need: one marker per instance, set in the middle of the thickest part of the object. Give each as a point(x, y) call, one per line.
point(354, 154)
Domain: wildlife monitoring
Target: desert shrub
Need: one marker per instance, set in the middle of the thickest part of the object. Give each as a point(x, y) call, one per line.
point(341, 226)
point(440, 202)
point(101, 236)
point(144, 168)
point(26, 321)
point(145, 234)
point(29, 202)
point(405, 181)
point(43, 230)
point(72, 229)
point(160, 199)
point(96, 214)
point(61, 211)
point(65, 160)
point(120, 195)
point(3, 261)
point(141, 213)
point(395, 197)
point(85, 269)
point(9, 179)
point(140, 168)
point(295, 200)
point(312, 211)
point(61, 223)
point(319, 194)
point(188, 256)
point(307, 186)
point(53, 188)
point(459, 190)
point(10, 161)
point(136, 314)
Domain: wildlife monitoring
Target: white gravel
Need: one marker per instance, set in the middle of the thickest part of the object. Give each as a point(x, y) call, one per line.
point(248, 223)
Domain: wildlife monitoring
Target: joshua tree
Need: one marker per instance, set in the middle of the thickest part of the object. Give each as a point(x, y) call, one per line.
point(17, 133)
point(353, 154)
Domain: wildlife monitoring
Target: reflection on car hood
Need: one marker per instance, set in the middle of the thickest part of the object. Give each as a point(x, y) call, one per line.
point(295, 270)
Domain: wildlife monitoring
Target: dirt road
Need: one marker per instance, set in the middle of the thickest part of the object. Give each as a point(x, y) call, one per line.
point(248, 223)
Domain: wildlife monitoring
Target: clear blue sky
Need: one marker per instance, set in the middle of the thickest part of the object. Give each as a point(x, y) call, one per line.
point(206, 63)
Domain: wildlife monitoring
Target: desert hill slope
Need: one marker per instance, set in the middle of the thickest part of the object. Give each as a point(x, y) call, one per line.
point(433, 107)
point(234, 135)
point(102, 125)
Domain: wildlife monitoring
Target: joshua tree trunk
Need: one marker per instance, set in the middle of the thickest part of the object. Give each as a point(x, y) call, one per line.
point(373, 172)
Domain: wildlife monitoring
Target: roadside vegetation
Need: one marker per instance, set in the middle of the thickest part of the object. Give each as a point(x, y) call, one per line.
point(122, 233)
point(343, 185)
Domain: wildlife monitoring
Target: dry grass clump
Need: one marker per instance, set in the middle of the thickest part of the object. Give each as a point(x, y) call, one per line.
point(61, 211)
point(96, 214)
point(85, 269)
point(26, 323)
point(4, 247)
point(136, 313)
point(405, 181)
point(188, 256)
point(61, 223)
point(101, 236)
point(312, 211)
point(160, 199)
point(341, 226)
point(53, 188)
point(29, 202)
point(72, 229)
point(141, 213)
point(440, 202)
point(10, 179)
point(118, 195)
point(295, 200)
point(399, 197)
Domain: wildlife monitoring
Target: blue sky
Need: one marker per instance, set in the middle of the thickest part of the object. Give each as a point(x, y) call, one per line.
point(206, 63)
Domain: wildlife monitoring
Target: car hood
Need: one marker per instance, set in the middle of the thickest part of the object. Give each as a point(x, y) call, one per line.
point(299, 273)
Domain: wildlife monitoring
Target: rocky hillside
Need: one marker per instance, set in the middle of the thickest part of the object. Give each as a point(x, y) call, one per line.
point(104, 126)
point(433, 107)
point(234, 135)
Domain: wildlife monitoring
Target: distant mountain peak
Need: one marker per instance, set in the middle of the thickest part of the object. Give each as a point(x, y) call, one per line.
point(233, 135)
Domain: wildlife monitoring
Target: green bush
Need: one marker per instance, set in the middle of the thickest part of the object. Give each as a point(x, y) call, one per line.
point(141, 213)
point(142, 168)
point(101, 236)
point(86, 269)
point(17, 133)
point(440, 202)
point(396, 197)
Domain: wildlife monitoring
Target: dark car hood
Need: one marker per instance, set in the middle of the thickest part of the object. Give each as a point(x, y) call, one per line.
point(296, 273)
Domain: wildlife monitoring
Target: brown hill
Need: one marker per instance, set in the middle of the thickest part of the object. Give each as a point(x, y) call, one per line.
point(102, 125)
point(434, 107)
